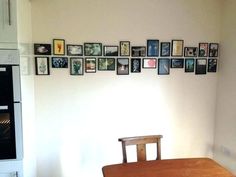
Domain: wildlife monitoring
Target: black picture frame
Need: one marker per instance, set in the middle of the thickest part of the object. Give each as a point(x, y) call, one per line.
point(213, 49)
point(59, 46)
point(201, 66)
point(110, 50)
point(203, 49)
point(122, 66)
point(138, 51)
point(42, 66)
point(165, 49)
point(90, 65)
point(135, 65)
point(190, 51)
point(124, 48)
point(149, 63)
point(74, 50)
point(152, 47)
point(177, 46)
point(59, 62)
point(189, 65)
point(42, 49)
point(212, 65)
point(163, 66)
point(106, 64)
point(93, 49)
point(76, 66)
point(177, 63)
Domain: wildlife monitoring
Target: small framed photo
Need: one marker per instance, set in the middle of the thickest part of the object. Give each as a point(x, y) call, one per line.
point(177, 63)
point(76, 66)
point(189, 65)
point(110, 50)
point(203, 50)
point(150, 63)
point(59, 62)
point(124, 48)
point(201, 65)
point(212, 65)
point(138, 51)
point(42, 49)
point(58, 46)
point(122, 66)
point(165, 49)
point(74, 50)
point(177, 48)
point(163, 66)
point(213, 49)
point(190, 51)
point(90, 65)
point(106, 64)
point(135, 65)
point(93, 49)
point(42, 65)
point(152, 48)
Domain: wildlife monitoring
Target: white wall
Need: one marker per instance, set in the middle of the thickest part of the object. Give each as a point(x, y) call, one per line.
point(225, 138)
point(79, 119)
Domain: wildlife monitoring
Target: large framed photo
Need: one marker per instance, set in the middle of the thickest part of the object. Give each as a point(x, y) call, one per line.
point(74, 50)
point(93, 49)
point(189, 65)
point(190, 51)
point(124, 48)
point(212, 65)
point(42, 49)
point(177, 63)
point(163, 66)
point(42, 65)
point(150, 63)
point(76, 66)
point(90, 65)
point(213, 49)
point(138, 51)
point(110, 50)
point(203, 50)
point(106, 64)
point(152, 48)
point(135, 65)
point(58, 46)
point(177, 48)
point(122, 66)
point(201, 65)
point(59, 62)
point(165, 49)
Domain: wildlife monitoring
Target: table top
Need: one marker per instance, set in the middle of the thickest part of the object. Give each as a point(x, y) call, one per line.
point(189, 167)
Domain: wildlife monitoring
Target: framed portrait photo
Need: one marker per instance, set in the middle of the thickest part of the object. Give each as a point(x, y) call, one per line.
point(74, 50)
point(59, 62)
point(190, 51)
point(203, 50)
point(177, 48)
point(76, 66)
point(124, 48)
point(165, 49)
point(177, 62)
point(93, 49)
point(201, 65)
point(212, 65)
point(109, 50)
point(90, 65)
point(106, 64)
point(149, 63)
point(152, 48)
point(122, 66)
point(135, 65)
point(58, 46)
point(213, 49)
point(138, 51)
point(42, 49)
point(163, 66)
point(189, 65)
point(42, 65)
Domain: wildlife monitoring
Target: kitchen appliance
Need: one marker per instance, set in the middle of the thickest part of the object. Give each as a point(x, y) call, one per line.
point(10, 106)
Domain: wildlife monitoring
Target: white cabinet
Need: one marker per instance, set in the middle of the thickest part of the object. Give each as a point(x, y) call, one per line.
point(8, 24)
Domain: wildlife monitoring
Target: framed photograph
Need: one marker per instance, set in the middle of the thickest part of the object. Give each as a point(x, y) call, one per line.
point(122, 66)
point(213, 49)
point(138, 51)
point(135, 65)
point(124, 48)
point(189, 65)
point(163, 66)
point(74, 50)
point(177, 63)
point(203, 50)
point(93, 49)
point(190, 51)
point(58, 46)
point(42, 49)
point(165, 49)
point(201, 65)
point(76, 66)
point(152, 48)
point(106, 64)
point(110, 50)
point(42, 65)
point(177, 48)
point(150, 63)
point(212, 65)
point(90, 65)
point(59, 62)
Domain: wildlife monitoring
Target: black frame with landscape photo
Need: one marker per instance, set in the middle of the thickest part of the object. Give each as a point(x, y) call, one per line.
point(177, 63)
point(74, 50)
point(92, 49)
point(189, 65)
point(110, 50)
point(201, 66)
point(106, 64)
point(42, 49)
point(122, 66)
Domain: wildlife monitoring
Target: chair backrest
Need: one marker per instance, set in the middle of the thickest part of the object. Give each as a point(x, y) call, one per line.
point(140, 142)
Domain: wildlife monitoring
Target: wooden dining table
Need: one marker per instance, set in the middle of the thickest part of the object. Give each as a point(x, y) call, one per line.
point(188, 167)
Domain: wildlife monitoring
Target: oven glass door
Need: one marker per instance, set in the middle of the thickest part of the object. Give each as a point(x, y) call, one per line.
point(6, 84)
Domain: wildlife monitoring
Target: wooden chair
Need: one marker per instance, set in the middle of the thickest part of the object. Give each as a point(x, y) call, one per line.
point(140, 142)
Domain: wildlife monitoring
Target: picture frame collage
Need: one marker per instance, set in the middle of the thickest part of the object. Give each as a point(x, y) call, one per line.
point(124, 58)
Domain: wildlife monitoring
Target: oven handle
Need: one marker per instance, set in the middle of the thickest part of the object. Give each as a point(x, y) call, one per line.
point(4, 107)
